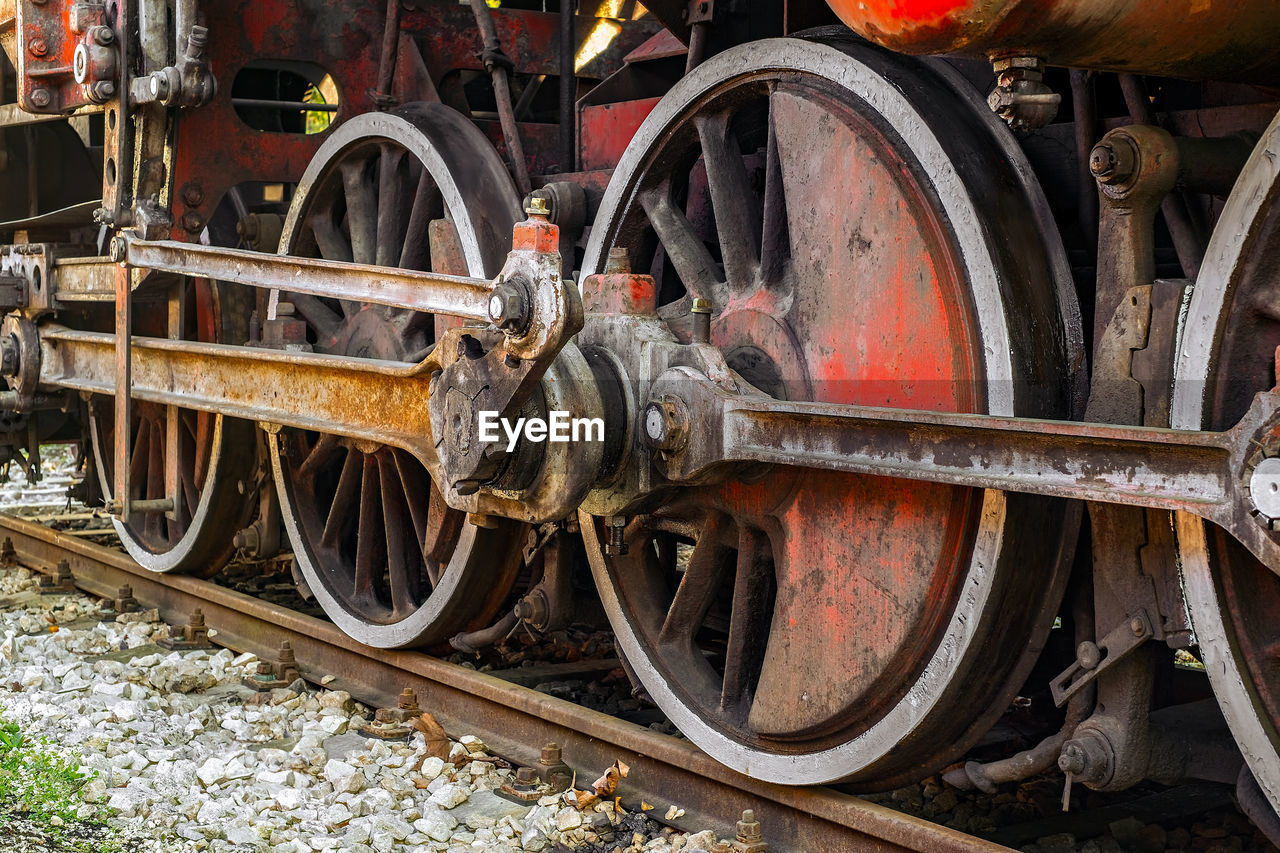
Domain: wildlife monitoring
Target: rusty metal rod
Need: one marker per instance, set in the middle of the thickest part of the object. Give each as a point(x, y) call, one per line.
point(1158, 468)
point(568, 85)
point(390, 44)
point(1187, 243)
point(435, 293)
point(494, 61)
point(380, 401)
point(513, 721)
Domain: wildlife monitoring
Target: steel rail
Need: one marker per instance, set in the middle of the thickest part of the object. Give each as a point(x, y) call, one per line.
point(435, 293)
point(513, 721)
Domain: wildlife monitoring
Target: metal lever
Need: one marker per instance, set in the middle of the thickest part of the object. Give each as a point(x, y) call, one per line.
point(1094, 658)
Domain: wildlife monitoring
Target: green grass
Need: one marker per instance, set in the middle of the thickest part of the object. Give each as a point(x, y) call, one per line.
point(40, 787)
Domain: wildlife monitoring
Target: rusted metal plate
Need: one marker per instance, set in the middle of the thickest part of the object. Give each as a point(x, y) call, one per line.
point(605, 129)
point(514, 721)
point(337, 36)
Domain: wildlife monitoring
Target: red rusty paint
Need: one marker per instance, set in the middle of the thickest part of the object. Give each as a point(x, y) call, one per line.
point(605, 129)
point(535, 234)
point(1177, 38)
point(867, 568)
point(336, 35)
point(619, 293)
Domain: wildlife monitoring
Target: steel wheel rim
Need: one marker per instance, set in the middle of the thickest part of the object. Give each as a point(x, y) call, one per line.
point(828, 757)
point(455, 580)
point(1223, 589)
point(198, 540)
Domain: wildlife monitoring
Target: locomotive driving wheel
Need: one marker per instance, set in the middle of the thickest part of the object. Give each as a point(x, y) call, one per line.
point(386, 558)
point(866, 233)
point(213, 454)
point(1226, 355)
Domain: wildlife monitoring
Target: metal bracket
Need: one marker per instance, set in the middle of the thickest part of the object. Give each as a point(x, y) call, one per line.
point(1094, 658)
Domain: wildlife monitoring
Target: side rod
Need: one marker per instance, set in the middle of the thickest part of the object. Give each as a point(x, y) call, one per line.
point(436, 293)
point(1203, 473)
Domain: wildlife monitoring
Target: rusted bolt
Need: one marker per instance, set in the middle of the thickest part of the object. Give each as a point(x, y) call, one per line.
point(193, 196)
point(537, 206)
point(616, 543)
point(193, 222)
point(666, 424)
point(40, 97)
point(526, 776)
point(38, 47)
point(102, 35)
point(408, 699)
point(749, 837)
point(1087, 757)
point(508, 308)
point(701, 311)
point(1113, 161)
point(1088, 655)
point(1137, 626)
point(103, 90)
point(618, 263)
point(1072, 759)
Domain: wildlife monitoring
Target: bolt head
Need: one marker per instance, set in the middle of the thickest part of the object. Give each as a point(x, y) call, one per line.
point(1072, 759)
point(1264, 488)
point(508, 307)
point(38, 47)
point(666, 423)
point(1088, 654)
point(1113, 160)
point(40, 97)
point(537, 206)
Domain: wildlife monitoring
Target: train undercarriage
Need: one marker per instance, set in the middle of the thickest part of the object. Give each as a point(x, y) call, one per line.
point(907, 385)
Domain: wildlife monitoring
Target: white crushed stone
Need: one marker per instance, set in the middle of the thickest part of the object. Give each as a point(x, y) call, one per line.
point(188, 764)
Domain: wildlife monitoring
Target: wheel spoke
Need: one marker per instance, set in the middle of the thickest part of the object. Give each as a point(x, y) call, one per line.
point(325, 448)
point(775, 247)
point(390, 205)
point(370, 537)
point(154, 488)
point(402, 566)
point(139, 460)
point(732, 201)
point(698, 586)
point(694, 264)
point(427, 206)
point(344, 500)
point(320, 317)
point(330, 240)
point(362, 211)
point(748, 619)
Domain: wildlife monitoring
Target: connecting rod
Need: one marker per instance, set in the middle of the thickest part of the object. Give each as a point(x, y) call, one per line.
point(435, 293)
point(1224, 477)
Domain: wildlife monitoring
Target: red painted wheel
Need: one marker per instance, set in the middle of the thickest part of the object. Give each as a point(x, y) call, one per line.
point(868, 234)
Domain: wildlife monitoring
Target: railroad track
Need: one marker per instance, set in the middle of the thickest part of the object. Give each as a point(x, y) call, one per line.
point(513, 721)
